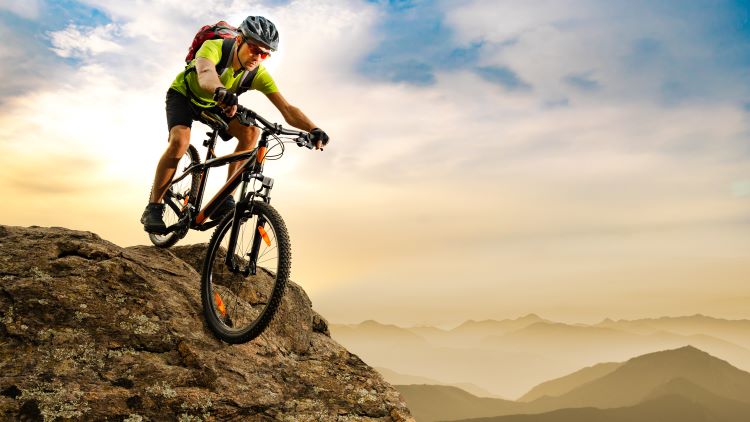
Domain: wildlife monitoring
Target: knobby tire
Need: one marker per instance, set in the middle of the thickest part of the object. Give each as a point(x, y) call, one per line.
point(215, 277)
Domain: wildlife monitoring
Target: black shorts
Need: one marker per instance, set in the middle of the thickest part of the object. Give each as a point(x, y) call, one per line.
point(181, 111)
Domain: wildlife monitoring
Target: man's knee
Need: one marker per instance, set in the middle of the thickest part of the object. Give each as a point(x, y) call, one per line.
point(179, 139)
point(247, 136)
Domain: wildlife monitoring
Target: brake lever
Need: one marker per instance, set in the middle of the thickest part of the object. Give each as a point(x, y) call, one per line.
point(302, 141)
point(246, 119)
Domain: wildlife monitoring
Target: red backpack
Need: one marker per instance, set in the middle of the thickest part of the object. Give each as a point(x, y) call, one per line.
point(216, 31)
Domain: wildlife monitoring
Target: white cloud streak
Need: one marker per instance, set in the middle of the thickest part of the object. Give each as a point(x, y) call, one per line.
point(28, 9)
point(80, 42)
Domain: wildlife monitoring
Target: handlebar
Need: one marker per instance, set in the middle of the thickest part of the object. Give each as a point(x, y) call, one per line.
point(248, 117)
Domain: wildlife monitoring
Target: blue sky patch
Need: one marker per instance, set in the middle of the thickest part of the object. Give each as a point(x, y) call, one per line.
point(58, 14)
point(504, 77)
point(583, 82)
point(413, 41)
point(416, 43)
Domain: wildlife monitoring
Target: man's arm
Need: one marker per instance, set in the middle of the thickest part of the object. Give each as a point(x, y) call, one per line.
point(207, 77)
point(293, 115)
point(208, 80)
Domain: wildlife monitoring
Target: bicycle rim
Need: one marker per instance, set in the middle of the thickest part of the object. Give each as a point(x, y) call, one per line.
point(238, 305)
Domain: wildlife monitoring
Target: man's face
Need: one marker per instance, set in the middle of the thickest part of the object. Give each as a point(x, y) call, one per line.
point(252, 54)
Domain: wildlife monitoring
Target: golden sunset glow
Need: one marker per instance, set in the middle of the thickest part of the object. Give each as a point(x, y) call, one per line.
point(514, 170)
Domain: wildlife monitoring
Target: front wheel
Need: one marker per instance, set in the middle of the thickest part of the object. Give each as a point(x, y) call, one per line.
point(177, 198)
point(239, 301)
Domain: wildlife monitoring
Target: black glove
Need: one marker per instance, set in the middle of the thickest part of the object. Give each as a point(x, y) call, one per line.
point(318, 135)
point(224, 97)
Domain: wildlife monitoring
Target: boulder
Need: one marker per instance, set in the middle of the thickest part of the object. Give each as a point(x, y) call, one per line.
point(93, 331)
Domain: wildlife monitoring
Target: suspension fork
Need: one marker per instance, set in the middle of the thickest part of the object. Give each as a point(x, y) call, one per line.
point(239, 211)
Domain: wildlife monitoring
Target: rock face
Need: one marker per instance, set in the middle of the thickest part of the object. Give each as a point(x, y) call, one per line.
point(93, 331)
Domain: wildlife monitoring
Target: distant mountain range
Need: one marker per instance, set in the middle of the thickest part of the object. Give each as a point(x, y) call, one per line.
point(508, 357)
point(560, 386)
point(681, 385)
point(396, 378)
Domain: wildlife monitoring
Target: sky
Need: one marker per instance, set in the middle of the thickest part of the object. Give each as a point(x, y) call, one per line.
point(578, 159)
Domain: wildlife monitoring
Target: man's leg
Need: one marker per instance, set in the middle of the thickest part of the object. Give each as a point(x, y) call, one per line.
point(153, 216)
point(247, 139)
point(179, 141)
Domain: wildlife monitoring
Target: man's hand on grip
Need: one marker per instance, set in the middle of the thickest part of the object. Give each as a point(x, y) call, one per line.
point(226, 100)
point(319, 138)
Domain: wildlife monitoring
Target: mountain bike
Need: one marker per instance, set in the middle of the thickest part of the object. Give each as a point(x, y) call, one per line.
point(248, 259)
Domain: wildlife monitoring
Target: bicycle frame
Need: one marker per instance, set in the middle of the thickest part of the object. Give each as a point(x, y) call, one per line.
point(251, 169)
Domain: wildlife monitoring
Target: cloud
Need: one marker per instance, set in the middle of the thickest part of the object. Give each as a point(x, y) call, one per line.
point(26, 57)
point(665, 53)
point(81, 42)
point(28, 9)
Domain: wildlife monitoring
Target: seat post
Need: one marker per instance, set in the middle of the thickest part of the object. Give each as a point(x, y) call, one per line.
point(210, 142)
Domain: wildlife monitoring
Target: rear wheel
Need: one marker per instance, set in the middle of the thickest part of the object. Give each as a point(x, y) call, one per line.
point(239, 303)
point(176, 200)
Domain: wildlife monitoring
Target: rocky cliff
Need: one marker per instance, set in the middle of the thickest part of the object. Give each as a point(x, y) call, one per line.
point(93, 331)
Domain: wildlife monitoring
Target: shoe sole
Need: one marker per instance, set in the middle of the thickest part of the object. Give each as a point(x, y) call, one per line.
point(155, 230)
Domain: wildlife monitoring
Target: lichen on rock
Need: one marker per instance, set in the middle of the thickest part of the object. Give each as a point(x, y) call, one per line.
point(93, 331)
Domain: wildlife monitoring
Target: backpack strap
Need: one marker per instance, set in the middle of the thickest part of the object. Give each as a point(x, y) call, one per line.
point(226, 54)
point(247, 81)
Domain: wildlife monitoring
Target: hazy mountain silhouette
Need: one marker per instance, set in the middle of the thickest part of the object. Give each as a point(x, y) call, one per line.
point(677, 400)
point(436, 336)
point(373, 332)
point(504, 374)
point(721, 408)
point(577, 344)
point(542, 333)
point(491, 326)
point(635, 379)
point(438, 402)
point(735, 331)
point(684, 384)
point(471, 332)
point(669, 408)
point(509, 357)
point(562, 385)
point(396, 378)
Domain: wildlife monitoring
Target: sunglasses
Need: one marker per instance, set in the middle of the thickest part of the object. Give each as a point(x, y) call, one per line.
point(254, 49)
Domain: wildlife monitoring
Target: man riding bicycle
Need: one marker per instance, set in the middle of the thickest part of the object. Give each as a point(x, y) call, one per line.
point(200, 87)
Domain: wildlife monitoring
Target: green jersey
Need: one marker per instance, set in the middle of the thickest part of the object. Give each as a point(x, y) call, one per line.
point(211, 50)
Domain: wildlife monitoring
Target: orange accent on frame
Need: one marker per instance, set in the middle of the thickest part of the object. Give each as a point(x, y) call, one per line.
point(261, 154)
point(202, 217)
point(264, 235)
point(220, 304)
